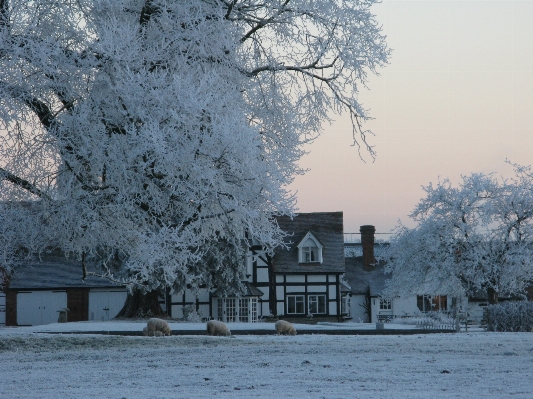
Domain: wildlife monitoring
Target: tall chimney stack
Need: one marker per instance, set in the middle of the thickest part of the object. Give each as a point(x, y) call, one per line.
point(367, 242)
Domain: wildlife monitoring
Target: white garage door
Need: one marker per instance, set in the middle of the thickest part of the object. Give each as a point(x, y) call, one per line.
point(105, 305)
point(39, 307)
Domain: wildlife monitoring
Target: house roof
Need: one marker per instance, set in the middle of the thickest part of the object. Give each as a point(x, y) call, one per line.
point(352, 249)
point(360, 280)
point(327, 227)
point(249, 290)
point(54, 271)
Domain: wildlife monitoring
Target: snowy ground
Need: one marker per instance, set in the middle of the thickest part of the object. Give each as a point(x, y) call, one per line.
point(466, 365)
point(126, 326)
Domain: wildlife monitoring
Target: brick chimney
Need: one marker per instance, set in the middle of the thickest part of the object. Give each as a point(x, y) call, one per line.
point(367, 242)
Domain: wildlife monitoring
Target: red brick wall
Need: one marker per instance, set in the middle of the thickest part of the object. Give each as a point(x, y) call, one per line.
point(367, 242)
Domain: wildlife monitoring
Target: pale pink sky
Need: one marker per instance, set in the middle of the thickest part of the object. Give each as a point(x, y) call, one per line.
point(456, 98)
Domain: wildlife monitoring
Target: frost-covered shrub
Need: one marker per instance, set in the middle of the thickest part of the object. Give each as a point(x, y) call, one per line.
point(191, 315)
point(510, 316)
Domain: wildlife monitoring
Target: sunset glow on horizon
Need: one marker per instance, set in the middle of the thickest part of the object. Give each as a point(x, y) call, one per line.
point(456, 98)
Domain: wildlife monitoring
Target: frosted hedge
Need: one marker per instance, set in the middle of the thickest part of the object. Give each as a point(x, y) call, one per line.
point(510, 316)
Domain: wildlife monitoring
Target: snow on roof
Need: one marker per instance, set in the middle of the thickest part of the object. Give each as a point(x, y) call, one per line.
point(54, 271)
point(327, 227)
point(361, 280)
point(249, 290)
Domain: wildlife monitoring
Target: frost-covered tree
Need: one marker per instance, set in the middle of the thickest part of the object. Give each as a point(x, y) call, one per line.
point(477, 236)
point(139, 134)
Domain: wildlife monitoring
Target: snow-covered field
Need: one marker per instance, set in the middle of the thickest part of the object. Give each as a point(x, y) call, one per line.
point(466, 365)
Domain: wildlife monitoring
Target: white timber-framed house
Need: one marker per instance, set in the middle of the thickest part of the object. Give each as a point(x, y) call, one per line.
point(297, 282)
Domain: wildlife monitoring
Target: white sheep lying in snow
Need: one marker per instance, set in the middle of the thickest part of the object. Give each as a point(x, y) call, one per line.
point(215, 327)
point(157, 326)
point(284, 327)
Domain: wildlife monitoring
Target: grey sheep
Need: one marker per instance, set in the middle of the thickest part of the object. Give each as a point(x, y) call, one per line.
point(215, 327)
point(160, 325)
point(284, 327)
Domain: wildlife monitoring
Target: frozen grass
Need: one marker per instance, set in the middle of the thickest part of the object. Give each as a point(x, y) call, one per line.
point(91, 326)
point(465, 365)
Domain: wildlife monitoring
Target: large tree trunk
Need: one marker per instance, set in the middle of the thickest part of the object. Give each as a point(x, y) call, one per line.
point(141, 305)
point(492, 296)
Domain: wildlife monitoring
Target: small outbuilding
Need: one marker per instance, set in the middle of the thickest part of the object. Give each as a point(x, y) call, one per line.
point(40, 290)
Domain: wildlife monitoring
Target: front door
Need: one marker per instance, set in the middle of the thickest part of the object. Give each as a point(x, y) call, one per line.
point(237, 309)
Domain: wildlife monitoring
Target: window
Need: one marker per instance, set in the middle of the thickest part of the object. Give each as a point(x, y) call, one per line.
point(309, 254)
point(237, 309)
point(309, 250)
point(243, 309)
point(295, 304)
point(385, 304)
point(220, 309)
point(317, 304)
point(253, 309)
point(345, 305)
point(428, 303)
point(231, 312)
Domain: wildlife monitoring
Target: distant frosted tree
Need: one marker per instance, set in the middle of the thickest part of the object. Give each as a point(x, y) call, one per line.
point(137, 134)
point(477, 236)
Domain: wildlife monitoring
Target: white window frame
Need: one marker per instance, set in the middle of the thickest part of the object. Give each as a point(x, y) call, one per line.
point(220, 309)
point(385, 304)
point(309, 254)
point(232, 309)
point(253, 309)
point(244, 310)
point(298, 299)
point(313, 300)
point(305, 250)
point(345, 305)
point(429, 305)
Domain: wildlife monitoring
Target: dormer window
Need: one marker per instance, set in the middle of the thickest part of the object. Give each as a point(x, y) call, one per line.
point(310, 250)
point(309, 254)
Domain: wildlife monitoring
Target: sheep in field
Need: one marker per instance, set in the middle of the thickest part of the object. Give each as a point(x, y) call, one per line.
point(160, 325)
point(284, 327)
point(215, 327)
point(156, 333)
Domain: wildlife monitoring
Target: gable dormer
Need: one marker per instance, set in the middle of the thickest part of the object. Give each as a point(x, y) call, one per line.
point(309, 249)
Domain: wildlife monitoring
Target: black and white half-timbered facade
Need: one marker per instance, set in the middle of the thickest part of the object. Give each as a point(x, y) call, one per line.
point(299, 281)
point(302, 280)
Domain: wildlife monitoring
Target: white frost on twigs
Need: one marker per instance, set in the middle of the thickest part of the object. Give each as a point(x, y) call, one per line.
point(474, 237)
point(148, 136)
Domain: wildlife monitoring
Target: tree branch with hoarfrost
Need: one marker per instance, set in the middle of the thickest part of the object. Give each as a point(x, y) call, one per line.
point(474, 237)
point(136, 134)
